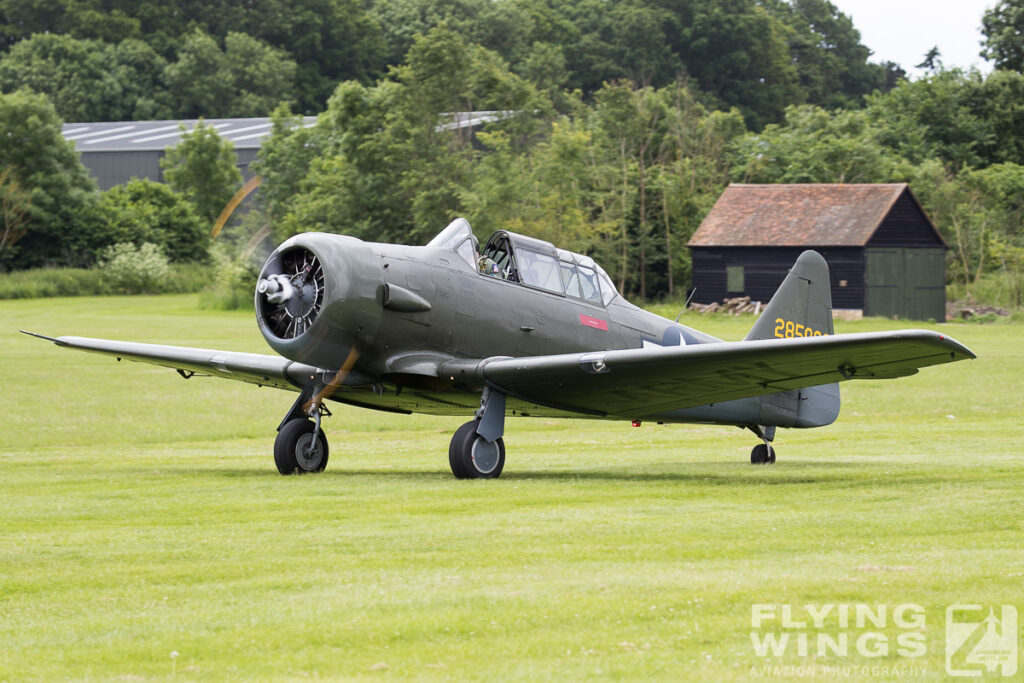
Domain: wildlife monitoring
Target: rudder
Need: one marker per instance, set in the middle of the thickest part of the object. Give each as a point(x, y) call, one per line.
point(802, 306)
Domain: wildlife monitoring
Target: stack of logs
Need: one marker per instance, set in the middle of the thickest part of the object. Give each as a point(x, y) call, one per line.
point(740, 305)
point(968, 309)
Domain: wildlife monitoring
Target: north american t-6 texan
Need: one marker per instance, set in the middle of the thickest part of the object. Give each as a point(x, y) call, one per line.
point(526, 329)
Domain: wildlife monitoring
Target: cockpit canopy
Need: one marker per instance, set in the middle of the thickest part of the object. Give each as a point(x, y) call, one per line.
point(529, 261)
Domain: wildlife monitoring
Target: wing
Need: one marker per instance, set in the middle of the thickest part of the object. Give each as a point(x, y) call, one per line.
point(635, 382)
point(254, 368)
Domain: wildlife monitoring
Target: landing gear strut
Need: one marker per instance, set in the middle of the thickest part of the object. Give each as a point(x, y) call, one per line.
point(477, 450)
point(763, 453)
point(300, 445)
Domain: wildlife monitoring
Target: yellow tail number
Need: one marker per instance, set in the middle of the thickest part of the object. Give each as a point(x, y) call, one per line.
point(787, 329)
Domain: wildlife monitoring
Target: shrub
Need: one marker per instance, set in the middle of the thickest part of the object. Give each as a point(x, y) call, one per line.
point(234, 282)
point(145, 211)
point(135, 270)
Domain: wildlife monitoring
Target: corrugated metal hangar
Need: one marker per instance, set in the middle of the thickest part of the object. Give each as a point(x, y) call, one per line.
point(885, 255)
point(116, 152)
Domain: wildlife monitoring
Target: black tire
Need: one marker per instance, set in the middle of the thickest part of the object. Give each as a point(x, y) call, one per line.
point(762, 455)
point(471, 457)
point(290, 448)
point(457, 446)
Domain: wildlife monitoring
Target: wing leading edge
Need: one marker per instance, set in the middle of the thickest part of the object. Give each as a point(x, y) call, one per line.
point(634, 382)
point(254, 368)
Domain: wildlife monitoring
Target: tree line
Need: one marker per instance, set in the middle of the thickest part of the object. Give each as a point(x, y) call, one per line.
point(627, 174)
point(110, 60)
point(622, 122)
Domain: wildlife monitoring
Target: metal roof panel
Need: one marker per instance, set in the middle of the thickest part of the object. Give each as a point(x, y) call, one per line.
point(121, 136)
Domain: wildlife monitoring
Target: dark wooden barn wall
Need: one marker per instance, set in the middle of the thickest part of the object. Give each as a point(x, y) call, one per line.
point(766, 267)
point(905, 226)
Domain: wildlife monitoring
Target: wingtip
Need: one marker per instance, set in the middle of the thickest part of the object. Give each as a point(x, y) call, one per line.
point(958, 348)
point(40, 336)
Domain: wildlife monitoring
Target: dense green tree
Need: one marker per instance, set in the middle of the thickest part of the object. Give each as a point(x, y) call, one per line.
point(738, 53)
point(1003, 29)
point(620, 41)
point(999, 102)
point(203, 167)
point(142, 211)
point(390, 164)
point(328, 40)
point(88, 80)
point(552, 191)
point(816, 146)
point(626, 181)
point(61, 218)
point(759, 55)
point(284, 160)
point(631, 124)
point(979, 212)
point(831, 61)
point(935, 116)
point(20, 19)
point(245, 78)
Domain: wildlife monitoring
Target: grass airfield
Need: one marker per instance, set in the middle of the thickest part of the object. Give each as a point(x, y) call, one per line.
point(147, 534)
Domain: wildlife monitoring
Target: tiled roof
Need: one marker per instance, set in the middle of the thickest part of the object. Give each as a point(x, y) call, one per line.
point(796, 215)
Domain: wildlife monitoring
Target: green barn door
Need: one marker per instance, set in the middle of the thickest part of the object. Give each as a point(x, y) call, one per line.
point(926, 284)
point(885, 282)
point(906, 283)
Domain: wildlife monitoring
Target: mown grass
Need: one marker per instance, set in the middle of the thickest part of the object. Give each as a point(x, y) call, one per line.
point(143, 518)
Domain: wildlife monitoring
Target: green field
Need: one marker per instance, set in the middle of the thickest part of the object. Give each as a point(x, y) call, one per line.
point(147, 535)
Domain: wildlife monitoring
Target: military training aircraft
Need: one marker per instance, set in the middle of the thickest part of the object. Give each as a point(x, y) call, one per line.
point(523, 328)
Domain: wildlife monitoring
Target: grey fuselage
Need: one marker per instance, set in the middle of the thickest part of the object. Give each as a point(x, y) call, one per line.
point(403, 350)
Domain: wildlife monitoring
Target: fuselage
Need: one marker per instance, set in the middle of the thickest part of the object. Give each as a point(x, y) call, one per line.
point(474, 315)
point(397, 317)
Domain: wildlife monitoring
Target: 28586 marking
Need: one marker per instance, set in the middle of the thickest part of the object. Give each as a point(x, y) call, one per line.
point(787, 329)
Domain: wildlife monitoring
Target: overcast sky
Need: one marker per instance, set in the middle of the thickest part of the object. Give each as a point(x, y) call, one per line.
point(902, 31)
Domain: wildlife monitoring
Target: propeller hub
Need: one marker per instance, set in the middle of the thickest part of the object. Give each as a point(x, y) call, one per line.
point(292, 292)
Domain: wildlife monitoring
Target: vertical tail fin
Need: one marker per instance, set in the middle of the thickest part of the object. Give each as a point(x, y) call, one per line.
point(802, 306)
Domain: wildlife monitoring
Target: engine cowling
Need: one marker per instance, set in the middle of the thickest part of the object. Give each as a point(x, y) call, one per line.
point(318, 297)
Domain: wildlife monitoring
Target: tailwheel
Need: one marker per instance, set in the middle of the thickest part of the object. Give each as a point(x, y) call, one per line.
point(471, 456)
point(300, 447)
point(763, 454)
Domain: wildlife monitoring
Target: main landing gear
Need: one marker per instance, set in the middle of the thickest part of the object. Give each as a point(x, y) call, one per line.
point(477, 450)
point(763, 453)
point(301, 446)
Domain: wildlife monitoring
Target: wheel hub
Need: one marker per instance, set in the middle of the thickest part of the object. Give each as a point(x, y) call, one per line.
point(485, 455)
point(308, 458)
